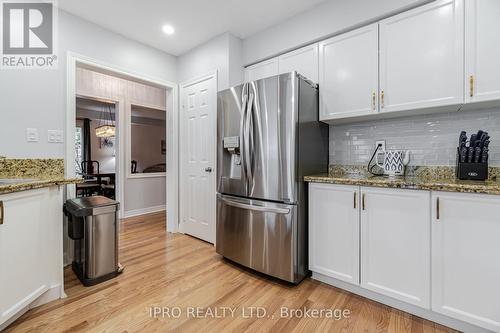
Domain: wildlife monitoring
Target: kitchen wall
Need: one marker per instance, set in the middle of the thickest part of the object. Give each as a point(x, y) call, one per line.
point(432, 139)
point(222, 53)
point(327, 19)
point(37, 98)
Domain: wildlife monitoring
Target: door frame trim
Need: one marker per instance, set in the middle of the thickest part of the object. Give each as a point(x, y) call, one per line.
point(72, 60)
point(212, 75)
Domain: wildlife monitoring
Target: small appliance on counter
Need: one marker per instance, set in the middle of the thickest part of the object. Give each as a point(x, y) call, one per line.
point(394, 161)
point(472, 156)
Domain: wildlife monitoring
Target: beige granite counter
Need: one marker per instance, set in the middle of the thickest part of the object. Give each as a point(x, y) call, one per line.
point(435, 179)
point(28, 174)
point(32, 184)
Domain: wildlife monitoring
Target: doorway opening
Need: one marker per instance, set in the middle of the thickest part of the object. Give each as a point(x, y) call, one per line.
point(96, 147)
point(92, 84)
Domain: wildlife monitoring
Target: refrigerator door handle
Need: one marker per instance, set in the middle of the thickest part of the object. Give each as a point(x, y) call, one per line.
point(249, 137)
point(275, 210)
point(244, 148)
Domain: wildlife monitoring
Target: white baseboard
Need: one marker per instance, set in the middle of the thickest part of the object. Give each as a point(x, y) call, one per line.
point(53, 293)
point(415, 310)
point(142, 211)
point(50, 295)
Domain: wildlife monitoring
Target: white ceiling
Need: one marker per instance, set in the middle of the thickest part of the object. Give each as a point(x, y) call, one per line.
point(195, 21)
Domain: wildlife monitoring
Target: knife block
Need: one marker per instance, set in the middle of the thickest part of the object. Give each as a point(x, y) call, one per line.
point(471, 171)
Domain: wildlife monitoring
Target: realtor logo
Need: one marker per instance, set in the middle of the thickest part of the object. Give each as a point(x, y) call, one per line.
point(28, 34)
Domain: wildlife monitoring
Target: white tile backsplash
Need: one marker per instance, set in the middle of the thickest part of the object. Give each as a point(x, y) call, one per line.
point(432, 139)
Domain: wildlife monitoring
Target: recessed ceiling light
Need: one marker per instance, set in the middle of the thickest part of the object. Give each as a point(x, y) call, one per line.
point(168, 29)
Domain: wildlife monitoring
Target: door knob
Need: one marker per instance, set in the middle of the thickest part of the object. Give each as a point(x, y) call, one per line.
point(208, 169)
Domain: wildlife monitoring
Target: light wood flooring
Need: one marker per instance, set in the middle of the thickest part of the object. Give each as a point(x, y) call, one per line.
point(174, 270)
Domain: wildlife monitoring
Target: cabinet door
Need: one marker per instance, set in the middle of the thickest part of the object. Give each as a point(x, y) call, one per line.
point(482, 50)
point(395, 244)
point(465, 257)
point(421, 57)
point(22, 252)
point(262, 70)
point(334, 231)
point(348, 74)
point(303, 60)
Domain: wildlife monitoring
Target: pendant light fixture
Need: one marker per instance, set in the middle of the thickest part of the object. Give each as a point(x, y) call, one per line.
point(106, 127)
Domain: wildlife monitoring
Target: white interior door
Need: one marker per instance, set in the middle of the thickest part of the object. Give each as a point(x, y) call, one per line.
point(198, 130)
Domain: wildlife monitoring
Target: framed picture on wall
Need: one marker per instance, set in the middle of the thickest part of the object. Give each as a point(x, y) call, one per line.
point(163, 147)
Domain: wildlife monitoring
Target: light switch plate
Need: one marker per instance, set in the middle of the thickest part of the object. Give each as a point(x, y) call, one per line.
point(55, 136)
point(32, 135)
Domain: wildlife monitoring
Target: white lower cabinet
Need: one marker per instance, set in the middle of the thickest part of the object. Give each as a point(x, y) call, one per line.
point(395, 244)
point(334, 231)
point(466, 257)
point(30, 249)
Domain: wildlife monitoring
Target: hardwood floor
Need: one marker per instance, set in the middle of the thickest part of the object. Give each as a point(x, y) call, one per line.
point(181, 272)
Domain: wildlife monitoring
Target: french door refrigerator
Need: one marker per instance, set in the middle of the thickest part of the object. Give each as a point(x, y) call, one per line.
point(268, 139)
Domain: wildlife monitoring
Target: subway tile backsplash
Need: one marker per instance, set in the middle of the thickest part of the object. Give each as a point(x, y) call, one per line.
point(432, 139)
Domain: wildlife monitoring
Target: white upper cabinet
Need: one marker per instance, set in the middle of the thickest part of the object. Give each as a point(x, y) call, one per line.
point(262, 70)
point(395, 244)
point(482, 57)
point(334, 231)
point(422, 57)
point(348, 74)
point(303, 60)
point(465, 257)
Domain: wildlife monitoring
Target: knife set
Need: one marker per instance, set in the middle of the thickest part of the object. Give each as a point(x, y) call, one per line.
point(472, 156)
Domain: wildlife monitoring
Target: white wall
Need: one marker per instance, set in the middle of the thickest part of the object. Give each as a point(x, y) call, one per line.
point(37, 98)
point(327, 19)
point(222, 53)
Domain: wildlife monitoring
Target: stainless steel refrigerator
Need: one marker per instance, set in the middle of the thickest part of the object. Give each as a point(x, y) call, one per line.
point(268, 139)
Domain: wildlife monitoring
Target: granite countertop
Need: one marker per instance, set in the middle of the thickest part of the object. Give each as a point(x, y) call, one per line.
point(31, 184)
point(428, 179)
point(28, 174)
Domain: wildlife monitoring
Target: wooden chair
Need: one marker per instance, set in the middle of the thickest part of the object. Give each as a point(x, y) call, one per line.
point(91, 185)
point(133, 166)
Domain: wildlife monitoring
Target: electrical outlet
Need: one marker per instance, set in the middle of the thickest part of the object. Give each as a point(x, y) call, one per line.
point(380, 143)
point(32, 135)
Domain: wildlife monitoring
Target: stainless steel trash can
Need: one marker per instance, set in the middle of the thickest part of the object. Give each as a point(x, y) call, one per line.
point(93, 225)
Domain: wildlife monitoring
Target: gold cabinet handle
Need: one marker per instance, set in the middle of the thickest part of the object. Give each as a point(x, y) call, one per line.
point(374, 101)
point(355, 199)
point(1, 212)
point(382, 98)
point(363, 201)
point(471, 83)
point(437, 209)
